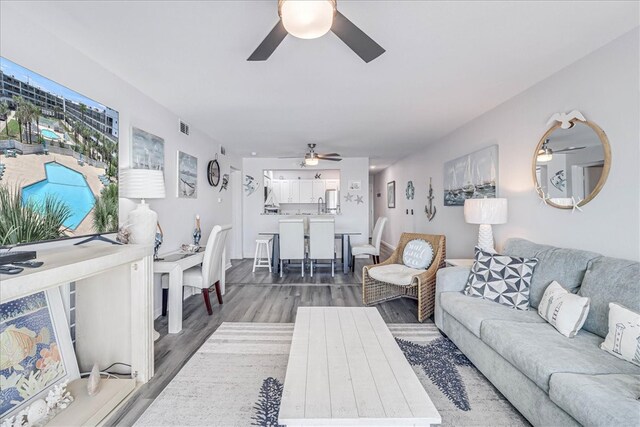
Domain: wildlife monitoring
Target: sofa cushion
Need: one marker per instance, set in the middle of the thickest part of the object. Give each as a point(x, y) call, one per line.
point(567, 266)
point(396, 274)
point(598, 400)
point(501, 278)
point(610, 280)
point(563, 310)
point(623, 339)
point(538, 350)
point(471, 312)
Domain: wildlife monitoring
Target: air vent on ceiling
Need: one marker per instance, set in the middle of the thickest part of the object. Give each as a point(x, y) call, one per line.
point(184, 128)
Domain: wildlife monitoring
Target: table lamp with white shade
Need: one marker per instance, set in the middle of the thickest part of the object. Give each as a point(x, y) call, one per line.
point(485, 212)
point(142, 184)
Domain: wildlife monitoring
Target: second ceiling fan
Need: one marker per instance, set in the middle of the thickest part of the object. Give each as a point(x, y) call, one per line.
point(310, 19)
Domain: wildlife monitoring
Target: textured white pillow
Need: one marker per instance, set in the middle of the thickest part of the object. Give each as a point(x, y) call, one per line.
point(418, 253)
point(565, 311)
point(623, 339)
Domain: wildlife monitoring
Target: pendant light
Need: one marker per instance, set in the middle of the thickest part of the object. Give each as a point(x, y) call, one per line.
point(307, 19)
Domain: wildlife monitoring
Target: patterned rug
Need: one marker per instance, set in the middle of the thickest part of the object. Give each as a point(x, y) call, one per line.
point(236, 379)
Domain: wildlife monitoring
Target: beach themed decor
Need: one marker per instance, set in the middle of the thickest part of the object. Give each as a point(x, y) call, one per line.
point(187, 176)
point(35, 350)
point(93, 384)
point(225, 182)
point(391, 194)
point(473, 176)
point(158, 241)
point(41, 410)
point(147, 150)
point(250, 185)
point(197, 232)
point(213, 172)
point(429, 209)
point(410, 191)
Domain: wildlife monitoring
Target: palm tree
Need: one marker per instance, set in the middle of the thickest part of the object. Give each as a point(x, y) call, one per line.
point(28, 222)
point(22, 113)
point(4, 111)
point(35, 116)
point(105, 211)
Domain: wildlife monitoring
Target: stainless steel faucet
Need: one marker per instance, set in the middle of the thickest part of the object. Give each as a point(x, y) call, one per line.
point(320, 203)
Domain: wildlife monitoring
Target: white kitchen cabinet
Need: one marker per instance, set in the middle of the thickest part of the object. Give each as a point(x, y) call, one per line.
point(306, 191)
point(284, 191)
point(276, 188)
point(294, 191)
point(332, 184)
point(318, 189)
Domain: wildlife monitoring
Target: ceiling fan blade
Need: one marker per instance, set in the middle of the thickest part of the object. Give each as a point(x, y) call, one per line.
point(329, 155)
point(331, 159)
point(565, 150)
point(355, 38)
point(270, 43)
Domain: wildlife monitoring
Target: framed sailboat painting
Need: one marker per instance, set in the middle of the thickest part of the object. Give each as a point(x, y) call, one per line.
point(472, 176)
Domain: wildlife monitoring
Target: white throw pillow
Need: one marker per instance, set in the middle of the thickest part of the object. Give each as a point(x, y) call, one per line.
point(623, 339)
point(418, 253)
point(564, 310)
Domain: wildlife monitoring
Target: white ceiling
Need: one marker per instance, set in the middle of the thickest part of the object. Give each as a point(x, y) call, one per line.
point(446, 63)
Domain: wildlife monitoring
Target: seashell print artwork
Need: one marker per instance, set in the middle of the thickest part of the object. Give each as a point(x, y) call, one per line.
point(30, 359)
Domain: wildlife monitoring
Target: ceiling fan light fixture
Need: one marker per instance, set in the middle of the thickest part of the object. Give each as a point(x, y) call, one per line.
point(311, 161)
point(545, 154)
point(307, 19)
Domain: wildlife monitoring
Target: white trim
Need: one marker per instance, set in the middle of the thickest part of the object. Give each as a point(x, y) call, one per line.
point(393, 248)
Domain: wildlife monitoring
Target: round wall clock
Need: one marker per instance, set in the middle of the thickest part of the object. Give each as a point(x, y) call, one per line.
point(213, 173)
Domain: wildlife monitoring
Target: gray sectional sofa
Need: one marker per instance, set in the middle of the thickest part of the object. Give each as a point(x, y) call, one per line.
point(552, 380)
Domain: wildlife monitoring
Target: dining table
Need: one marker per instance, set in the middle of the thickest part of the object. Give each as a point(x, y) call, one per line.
point(174, 263)
point(343, 236)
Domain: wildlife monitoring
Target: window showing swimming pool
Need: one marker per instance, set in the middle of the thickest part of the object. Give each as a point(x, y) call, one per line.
point(66, 185)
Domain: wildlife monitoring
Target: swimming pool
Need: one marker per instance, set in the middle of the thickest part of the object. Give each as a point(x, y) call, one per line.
point(49, 134)
point(66, 185)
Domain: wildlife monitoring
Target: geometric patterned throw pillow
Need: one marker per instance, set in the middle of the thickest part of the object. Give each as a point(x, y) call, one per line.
point(501, 278)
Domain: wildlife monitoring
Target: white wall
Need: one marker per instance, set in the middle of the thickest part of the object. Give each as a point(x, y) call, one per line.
point(354, 217)
point(45, 54)
point(605, 87)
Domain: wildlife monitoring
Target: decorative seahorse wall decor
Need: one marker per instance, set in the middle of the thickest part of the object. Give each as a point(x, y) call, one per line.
point(617, 342)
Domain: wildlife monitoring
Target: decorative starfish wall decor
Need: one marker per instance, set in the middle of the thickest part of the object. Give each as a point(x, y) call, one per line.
point(348, 197)
point(359, 199)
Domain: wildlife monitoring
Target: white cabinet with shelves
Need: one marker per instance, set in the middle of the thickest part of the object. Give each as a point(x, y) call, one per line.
point(303, 190)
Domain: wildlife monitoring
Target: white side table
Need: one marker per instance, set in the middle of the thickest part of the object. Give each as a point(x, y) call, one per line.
point(462, 262)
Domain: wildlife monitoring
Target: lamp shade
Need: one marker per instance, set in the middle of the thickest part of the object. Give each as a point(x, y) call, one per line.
point(142, 184)
point(485, 211)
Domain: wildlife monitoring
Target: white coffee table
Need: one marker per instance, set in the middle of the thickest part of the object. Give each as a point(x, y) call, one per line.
point(345, 368)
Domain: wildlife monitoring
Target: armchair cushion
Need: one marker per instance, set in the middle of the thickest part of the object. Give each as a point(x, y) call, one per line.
point(396, 274)
point(418, 253)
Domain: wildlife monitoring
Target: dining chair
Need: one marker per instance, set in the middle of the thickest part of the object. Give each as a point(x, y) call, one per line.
point(210, 272)
point(292, 242)
point(322, 242)
point(372, 249)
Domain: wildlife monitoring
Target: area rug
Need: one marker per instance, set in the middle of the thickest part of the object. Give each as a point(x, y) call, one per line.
point(236, 379)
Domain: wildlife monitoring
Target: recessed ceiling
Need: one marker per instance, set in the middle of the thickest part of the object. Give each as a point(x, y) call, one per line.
point(445, 63)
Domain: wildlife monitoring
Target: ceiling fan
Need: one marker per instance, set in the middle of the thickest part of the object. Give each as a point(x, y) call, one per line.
point(310, 19)
point(311, 158)
point(545, 153)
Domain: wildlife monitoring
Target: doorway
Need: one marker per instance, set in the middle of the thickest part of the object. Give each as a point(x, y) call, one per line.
point(235, 182)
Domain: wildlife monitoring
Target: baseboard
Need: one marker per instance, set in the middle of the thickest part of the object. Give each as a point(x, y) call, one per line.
point(387, 245)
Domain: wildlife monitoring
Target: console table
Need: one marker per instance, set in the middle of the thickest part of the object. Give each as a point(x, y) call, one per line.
point(114, 313)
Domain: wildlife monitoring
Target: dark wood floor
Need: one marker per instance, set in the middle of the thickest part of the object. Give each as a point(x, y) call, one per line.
point(262, 302)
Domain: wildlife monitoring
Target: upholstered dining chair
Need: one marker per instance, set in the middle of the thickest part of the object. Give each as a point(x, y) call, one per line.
point(292, 242)
point(372, 249)
point(210, 272)
point(393, 279)
point(322, 242)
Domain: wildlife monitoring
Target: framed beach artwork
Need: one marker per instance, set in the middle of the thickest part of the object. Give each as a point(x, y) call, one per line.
point(147, 150)
point(391, 194)
point(473, 176)
point(36, 352)
point(187, 176)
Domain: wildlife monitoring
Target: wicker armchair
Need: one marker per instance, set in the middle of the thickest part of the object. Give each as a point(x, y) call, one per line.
point(422, 287)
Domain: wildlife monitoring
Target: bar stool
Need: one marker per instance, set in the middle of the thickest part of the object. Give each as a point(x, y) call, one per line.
point(262, 248)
